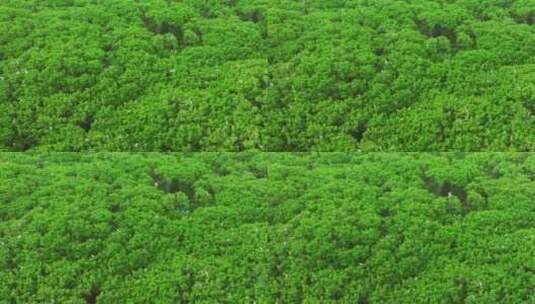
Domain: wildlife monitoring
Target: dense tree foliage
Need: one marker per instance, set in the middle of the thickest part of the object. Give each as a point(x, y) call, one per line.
point(272, 75)
point(267, 228)
point(131, 75)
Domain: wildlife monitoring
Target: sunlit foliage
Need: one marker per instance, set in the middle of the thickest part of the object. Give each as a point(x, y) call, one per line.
point(267, 228)
point(269, 75)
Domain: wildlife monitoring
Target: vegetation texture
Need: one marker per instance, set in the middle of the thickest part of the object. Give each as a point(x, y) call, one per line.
point(267, 228)
point(268, 75)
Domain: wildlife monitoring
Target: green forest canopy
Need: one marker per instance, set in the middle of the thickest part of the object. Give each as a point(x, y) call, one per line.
point(267, 228)
point(269, 75)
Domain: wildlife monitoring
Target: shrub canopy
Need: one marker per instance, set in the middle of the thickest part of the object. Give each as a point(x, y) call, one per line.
point(269, 75)
point(267, 228)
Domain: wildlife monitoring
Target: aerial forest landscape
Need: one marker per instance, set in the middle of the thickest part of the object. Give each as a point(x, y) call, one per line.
point(267, 75)
point(267, 228)
point(267, 151)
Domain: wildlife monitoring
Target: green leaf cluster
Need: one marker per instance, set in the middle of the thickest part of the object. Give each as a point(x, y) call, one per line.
point(267, 75)
point(267, 228)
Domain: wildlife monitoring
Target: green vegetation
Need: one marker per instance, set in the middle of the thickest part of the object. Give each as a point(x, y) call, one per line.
point(267, 228)
point(268, 75)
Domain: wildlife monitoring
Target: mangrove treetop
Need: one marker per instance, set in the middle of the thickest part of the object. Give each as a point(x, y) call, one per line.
point(269, 75)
